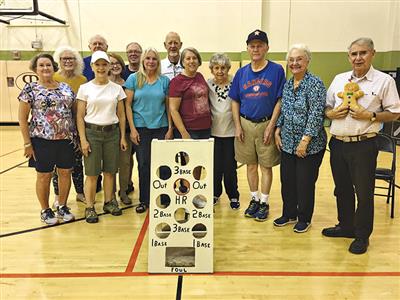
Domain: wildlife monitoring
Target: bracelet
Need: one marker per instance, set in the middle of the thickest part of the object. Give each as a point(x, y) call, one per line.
point(27, 145)
point(305, 139)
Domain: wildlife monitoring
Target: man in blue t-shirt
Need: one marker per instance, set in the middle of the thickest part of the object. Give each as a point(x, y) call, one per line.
point(256, 91)
point(96, 43)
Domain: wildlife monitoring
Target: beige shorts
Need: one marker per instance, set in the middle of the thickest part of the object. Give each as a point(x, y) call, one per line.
point(253, 150)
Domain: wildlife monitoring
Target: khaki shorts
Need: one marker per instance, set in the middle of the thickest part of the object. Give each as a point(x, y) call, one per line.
point(105, 152)
point(253, 150)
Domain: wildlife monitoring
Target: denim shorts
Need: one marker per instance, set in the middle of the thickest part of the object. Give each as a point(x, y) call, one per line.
point(104, 155)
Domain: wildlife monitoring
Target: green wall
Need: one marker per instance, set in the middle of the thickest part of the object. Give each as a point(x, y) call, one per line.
point(323, 64)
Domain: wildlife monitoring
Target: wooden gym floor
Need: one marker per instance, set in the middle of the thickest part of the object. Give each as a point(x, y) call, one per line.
point(252, 260)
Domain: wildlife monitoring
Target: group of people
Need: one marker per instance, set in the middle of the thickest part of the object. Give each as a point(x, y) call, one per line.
point(257, 118)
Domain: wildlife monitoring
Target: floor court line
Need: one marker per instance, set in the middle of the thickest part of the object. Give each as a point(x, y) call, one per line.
point(16, 166)
point(5, 154)
point(179, 288)
point(138, 245)
point(53, 226)
point(244, 274)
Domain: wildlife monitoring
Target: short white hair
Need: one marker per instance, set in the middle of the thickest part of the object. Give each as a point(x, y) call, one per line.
point(301, 47)
point(98, 36)
point(79, 61)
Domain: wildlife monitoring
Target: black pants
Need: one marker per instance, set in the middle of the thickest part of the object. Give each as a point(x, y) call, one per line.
point(225, 167)
point(143, 156)
point(298, 177)
point(353, 168)
point(77, 174)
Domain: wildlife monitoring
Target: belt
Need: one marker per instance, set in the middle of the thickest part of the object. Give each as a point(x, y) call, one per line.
point(103, 128)
point(354, 138)
point(260, 120)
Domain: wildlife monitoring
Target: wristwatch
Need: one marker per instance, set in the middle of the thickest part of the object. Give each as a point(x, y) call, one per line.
point(373, 118)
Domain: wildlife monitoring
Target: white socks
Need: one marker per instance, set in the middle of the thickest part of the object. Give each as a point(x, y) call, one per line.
point(254, 195)
point(264, 198)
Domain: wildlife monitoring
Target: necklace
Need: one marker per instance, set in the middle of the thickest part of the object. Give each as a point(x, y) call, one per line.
point(222, 92)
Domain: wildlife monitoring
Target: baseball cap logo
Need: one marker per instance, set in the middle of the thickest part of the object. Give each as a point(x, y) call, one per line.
point(257, 35)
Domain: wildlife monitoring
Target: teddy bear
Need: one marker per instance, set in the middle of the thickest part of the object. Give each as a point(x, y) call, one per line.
point(350, 95)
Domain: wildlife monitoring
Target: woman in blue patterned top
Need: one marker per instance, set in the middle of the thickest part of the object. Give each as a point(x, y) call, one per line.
point(301, 138)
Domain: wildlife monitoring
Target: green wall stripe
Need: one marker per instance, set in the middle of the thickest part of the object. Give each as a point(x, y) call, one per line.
point(323, 64)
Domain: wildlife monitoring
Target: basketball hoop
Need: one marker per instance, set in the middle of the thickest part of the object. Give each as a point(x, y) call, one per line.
point(23, 8)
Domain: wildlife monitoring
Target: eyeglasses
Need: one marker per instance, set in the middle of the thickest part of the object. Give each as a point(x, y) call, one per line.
point(134, 52)
point(362, 53)
point(292, 60)
point(115, 64)
point(67, 58)
point(98, 44)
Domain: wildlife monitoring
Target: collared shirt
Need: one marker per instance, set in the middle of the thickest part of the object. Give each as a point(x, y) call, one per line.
point(380, 94)
point(169, 69)
point(302, 113)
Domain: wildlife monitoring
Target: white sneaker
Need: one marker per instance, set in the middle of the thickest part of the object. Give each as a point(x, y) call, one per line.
point(55, 203)
point(64, 213)
point(48, 217)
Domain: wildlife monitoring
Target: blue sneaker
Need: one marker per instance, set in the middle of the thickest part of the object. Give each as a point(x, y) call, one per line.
point(262, 214)
point(252, 209)
point(282, 221)
point(301, 227)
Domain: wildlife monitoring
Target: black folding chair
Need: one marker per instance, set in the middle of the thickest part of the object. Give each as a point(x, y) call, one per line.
point(387, 144)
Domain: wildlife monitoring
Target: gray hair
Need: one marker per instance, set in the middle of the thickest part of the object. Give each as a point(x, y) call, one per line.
point(365, 41)
point(79, 61)
point(134, 43)
point(301, 47)
point(98, 36)
point(220, 59)
point(172, 33)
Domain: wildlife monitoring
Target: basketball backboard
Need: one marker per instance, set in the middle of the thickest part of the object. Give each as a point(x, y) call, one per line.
point(23, 8)
point(17, 7)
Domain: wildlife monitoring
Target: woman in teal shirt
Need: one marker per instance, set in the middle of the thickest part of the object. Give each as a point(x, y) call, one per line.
point(148, 115)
